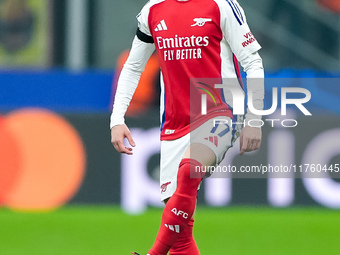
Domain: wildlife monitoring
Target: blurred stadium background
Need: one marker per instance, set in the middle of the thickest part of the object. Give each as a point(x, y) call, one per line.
point(64, 190)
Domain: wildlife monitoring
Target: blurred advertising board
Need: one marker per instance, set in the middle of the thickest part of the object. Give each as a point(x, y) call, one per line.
point(60, 120)
point(106, 177)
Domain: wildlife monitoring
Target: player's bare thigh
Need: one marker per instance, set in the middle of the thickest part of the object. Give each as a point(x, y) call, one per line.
point(210, 141)
point(201, 153)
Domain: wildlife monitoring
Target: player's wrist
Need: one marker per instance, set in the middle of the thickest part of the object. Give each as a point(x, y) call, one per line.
point(116, 121)
point(255, 122)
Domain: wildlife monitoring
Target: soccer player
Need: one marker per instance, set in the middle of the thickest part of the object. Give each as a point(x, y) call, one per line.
point(194, 39)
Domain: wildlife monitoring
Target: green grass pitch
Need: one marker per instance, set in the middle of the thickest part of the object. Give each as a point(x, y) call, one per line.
point(107, 230)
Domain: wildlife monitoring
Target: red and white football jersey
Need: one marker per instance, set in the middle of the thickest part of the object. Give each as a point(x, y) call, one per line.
point(194, 39)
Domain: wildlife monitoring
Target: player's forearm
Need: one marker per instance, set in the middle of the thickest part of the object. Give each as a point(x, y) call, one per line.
point(127, 84)
point(129, 79)
point(255, 84)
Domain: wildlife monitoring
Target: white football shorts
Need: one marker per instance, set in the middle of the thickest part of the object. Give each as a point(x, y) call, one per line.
point(217, 133)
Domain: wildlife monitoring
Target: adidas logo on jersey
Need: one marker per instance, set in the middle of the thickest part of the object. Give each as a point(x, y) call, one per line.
point(174, 228)
point(213, 139)
point(161, 26)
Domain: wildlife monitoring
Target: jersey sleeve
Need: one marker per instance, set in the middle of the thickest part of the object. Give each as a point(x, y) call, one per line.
point(236, 30)
point(255, 86)
point(129, 79)
point(141, 50)
point(143, 20)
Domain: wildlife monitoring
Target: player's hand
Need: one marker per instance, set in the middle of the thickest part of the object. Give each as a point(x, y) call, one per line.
point(118, 134)
point(250, 139)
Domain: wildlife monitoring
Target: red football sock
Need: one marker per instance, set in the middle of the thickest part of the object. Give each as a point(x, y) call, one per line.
point(185, 244)
point(180, 208)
